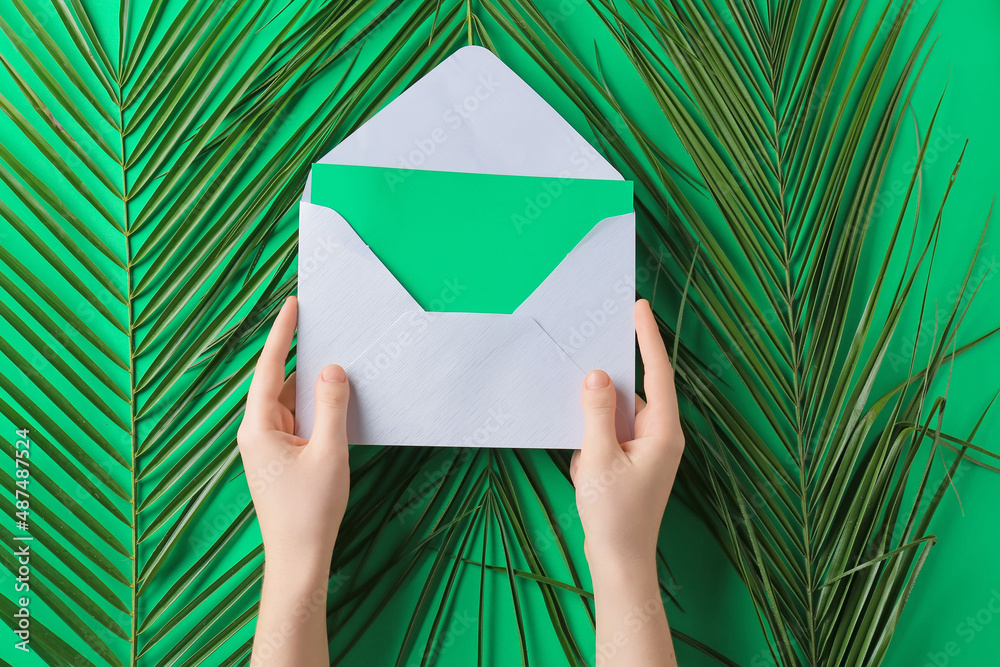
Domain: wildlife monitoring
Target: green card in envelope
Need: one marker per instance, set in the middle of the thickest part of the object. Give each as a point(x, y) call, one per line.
point(467, 242)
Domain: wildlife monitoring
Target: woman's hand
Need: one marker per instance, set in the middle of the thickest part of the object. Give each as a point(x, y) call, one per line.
point(622, 488)
point(299, 489)
point(621, 493)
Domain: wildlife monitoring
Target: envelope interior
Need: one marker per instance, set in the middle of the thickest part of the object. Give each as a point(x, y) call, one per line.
point(466, 242)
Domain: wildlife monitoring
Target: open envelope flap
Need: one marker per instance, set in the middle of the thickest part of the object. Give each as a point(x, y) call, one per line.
point(471, 113)
point(346, 297)
point(586, 305)
point(465, 379)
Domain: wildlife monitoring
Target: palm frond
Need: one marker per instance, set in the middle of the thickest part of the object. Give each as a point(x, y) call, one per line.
point(148, 190)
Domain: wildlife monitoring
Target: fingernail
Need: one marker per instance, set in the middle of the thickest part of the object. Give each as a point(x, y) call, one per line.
point(597, 380)
point(334, 374)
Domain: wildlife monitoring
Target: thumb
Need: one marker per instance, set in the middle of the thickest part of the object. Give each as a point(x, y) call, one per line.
point(332, 395)
point(599, 401)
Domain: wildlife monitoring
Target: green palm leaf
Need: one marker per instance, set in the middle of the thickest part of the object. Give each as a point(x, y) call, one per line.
point(151, 163)
point(791, 137)
point(126, 349)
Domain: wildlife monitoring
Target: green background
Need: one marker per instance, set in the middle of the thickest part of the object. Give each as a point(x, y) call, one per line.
point(962, 574)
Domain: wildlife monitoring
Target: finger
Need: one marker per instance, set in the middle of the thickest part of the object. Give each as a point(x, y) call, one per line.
point(658, 376)
point(332, 395)
point(639, 404)
point(287, 395)
point(599, 401)
point(269, 375)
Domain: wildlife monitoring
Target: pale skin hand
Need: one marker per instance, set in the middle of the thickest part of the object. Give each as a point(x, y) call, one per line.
point(621, 493)
point(299, 489)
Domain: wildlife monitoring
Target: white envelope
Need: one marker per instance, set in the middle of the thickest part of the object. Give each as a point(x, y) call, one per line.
point(466, 379)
